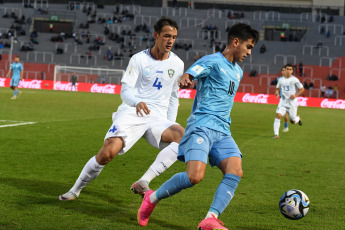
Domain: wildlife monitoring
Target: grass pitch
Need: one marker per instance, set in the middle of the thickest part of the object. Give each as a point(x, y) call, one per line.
point(42, 160)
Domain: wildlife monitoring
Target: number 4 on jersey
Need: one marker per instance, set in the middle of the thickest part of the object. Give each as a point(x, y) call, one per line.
point(157, 84)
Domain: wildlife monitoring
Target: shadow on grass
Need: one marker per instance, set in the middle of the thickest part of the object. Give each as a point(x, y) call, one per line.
point(115, 210)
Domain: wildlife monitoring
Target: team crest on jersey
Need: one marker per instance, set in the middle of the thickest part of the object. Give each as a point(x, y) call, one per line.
point(171, 73)
point(238, 77)
point(199, 140)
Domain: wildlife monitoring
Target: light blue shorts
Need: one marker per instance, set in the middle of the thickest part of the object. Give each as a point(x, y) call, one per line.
point(15, 82)
point(202, 143)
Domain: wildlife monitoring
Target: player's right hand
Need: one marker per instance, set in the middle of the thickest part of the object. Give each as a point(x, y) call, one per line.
point(142, 107)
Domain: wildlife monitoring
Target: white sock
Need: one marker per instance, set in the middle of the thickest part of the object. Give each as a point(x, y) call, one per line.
point(90, 171)
point(164, 160)
point(153, 198)
point(297, 119)
point(210, 214)
point(276, 126)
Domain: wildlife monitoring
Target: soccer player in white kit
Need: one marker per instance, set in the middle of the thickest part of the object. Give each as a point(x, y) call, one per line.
point(290, 88)
point(149, 109)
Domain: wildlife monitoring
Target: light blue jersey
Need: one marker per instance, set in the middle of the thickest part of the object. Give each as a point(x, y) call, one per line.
point(218, 81)
point(16, 69)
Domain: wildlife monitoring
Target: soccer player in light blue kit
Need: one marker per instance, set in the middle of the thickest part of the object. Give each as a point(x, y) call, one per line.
point(16, 70)
point(208, 133)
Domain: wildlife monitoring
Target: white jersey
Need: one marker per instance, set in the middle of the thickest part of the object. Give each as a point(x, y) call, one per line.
point(153, 81)
point(288, 86)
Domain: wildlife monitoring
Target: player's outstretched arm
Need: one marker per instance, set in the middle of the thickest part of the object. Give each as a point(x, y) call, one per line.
point(185, 81)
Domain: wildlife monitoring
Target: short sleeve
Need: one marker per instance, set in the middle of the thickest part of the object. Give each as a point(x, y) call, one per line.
point(299, 84)
point(132, 72)
point(200, 68)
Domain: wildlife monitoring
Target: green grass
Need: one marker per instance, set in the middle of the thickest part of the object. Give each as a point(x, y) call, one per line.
point(39, 162)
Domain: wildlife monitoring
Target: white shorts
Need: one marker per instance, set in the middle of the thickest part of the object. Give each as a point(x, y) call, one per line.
point(290, 108)
point(131, 127)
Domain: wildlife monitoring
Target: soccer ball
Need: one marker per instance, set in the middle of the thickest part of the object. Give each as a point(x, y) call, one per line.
point(294, 204)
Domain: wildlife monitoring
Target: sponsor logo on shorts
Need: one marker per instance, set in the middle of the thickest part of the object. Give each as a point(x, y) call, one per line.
point(200, 140)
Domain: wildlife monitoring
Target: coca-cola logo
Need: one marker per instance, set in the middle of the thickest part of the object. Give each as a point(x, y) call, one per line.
point(2, 82)
point(302, 101)
point(184, 93)
point(95, 88)
point(30, 84)
point(334, 104)
point(65, 86)
point(259, 98)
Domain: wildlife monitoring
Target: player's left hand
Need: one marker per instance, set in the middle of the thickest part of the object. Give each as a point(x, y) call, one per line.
point(141, 106)
point(292, 96)
point(184, 82)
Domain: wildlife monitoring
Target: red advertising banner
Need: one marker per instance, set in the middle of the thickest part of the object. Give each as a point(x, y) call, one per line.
point(183, 93)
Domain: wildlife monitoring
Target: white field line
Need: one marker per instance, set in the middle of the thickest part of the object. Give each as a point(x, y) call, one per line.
point(17, 124)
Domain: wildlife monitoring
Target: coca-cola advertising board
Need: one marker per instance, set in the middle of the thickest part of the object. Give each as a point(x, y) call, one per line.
point(183, 93)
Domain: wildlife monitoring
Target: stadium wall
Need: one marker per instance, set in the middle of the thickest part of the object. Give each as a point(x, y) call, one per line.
point(183, 93)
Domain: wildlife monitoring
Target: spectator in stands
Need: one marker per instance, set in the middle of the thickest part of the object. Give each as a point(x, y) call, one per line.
point(300, 67)
point(196, 57)
point(311, 85)
point(34, 41)
point(322, 30)
point(34, 34)
point(328, 34)
point(335, 89)
point(109, 55)
point(118, 55)
point(274, 81)
point(331, 19)
point(319, 45)
point(253, 73)
point(329, 92)
point(332, 77)
point(263, 49)
point(323, 89)
point(305, 85)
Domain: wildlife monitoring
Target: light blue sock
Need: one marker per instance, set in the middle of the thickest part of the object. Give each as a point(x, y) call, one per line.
point(286, 124)
point(16, 92)
point(174, 185)
point(224, 193)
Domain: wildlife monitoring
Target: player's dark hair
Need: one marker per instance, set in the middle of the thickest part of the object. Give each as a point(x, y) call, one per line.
point(284, 67)
point(164, 21)
point(243, 32)
point(289, 65)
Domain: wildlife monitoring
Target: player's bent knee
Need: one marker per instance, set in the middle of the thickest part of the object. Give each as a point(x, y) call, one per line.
point(110, 149)
point(195, 179)
point(238, 173)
